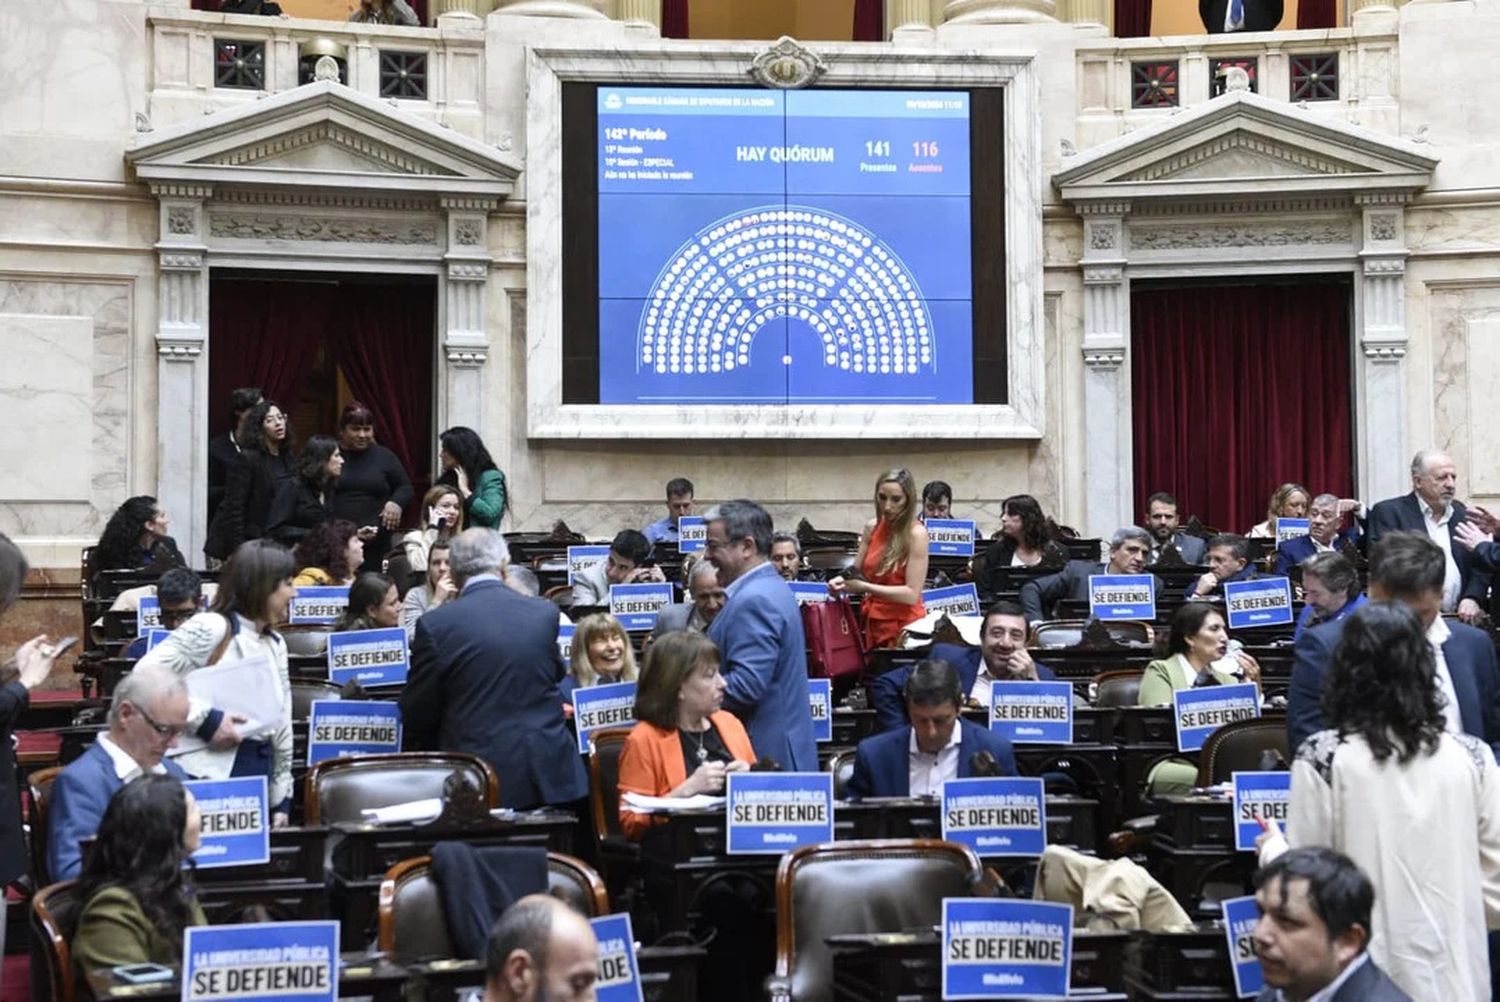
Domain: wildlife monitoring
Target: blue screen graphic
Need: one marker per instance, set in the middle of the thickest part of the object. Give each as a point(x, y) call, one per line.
point(766, 247)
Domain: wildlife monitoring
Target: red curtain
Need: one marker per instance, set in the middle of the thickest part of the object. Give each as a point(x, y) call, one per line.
point(264, 333)
point(1317, 13)
point(869, 21)
point(1238, 389)
point(1132, 18)
point(674, 18)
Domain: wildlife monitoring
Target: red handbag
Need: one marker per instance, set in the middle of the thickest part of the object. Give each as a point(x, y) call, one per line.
point(835, 643)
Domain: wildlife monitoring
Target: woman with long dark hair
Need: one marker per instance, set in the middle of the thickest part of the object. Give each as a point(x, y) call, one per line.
point(467, 466)
point(1414, 803)
point(374, 604)
point(892, 562)
point(265, 440)
point(329, 555)
point(374, 489)
point(1026, 539)
point(135, 539)
point(306, 498)
point(1191, 657)
point(137, 895)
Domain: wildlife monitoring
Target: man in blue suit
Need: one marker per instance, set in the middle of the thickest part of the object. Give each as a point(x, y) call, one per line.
point(1407, 567)
point(1228, 560)
point(759, 635)
point(939, 745)
point(1000, 657)
point(148, 711)
point(484, 679)
point(1330, 591)
point(1323, 534)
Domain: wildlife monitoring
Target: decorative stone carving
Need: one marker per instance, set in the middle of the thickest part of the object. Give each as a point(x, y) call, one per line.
point(467, 232)
point(1102, 236)
point(1192, 236)
point(1256, 153)
point(326, 68)
point(363, 231)
point(1104, 358)
point(472, 272)
point(179, 351)
point(366, 148)
point(1384, 352)
point(467, 357)
point(787, 65)
point(1384, 265)
point(180, 261)
point(1235, 78)
point(180, 220)
point(1382, 226)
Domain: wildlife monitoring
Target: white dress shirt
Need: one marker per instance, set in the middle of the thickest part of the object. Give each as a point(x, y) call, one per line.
point(126, 767)
point(1437, 529)
point(927, 773)
point(1437, 635)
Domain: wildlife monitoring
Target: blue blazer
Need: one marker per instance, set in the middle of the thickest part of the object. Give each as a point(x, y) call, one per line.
point(1291, 553)
point(882, 762)
point(484, 679)
point(1405, 514)
point(80, 793)
point(760, 639)
point(1471, 662)
point(887, 692)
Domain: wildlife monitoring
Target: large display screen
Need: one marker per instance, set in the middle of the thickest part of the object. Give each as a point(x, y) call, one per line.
point(783, 246)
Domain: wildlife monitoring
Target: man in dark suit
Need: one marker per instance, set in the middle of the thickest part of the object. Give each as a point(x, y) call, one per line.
point(938, 745)
point(1162, 521)
point(1228, 560)
point(484, 677)
point(148, 710)
point(223, 452)
point(1313, 936)
point(1324, 533)
point(1220, 16)
point(1406, 567)
point(1000, 657)
point(759, 634)
point(705, 599)
point(1430, 508)
point(1128, 551)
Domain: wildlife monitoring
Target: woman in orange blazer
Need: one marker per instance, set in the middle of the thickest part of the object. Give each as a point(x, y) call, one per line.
point(684, 744)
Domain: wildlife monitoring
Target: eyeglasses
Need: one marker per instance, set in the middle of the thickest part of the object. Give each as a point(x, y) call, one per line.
point(162, 730)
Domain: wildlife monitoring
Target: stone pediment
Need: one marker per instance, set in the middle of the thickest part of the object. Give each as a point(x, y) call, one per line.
point(1243, 145)
point(324, 135)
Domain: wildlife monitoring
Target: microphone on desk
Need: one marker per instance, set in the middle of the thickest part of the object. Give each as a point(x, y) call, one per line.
point(982, 764)
point(766, 765)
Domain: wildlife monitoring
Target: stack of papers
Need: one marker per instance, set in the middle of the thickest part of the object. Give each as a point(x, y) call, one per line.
point(666, 805)
point(412, 812)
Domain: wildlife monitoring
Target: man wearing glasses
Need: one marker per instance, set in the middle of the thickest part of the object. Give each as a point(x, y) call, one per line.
point(179, 596)
point(148, 711)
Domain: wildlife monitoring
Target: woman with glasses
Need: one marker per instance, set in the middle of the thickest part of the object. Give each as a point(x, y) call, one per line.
point(265, 440)
point(255, 590)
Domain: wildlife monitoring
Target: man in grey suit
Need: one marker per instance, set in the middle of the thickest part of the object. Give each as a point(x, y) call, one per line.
point(759, 634)
point(1128, 549)
point(1313, 936)
point(705, 599)
point(1161, 519)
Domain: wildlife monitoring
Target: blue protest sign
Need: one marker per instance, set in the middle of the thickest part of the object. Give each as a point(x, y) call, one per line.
point(349, 727)
point(318, 604)
point(236, 821)
point(809, 591)
point(1240, 917)
point(1122, 596)
point(1257, 796)
point(950, 537)
point(996, 816)
point(599, 706)
point(154, 637)
point(147, 615)
point(820, 701)
point(1032, 712)
point(692, 534)
point(1291, 528)
point(565, 642)
point(581, 558)
point(999, 948)
point(261, 962)
point(636, 605)
point(369, 657)
point(619, 975)
point(1200, 712)
point(776, 812)
point(1260, 602)
point(955, 600)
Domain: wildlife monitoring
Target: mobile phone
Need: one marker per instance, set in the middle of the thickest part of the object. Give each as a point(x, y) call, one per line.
point(62, 646)
point(142, 974)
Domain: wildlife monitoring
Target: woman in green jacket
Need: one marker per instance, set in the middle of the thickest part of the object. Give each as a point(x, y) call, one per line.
point(137, 897)
point(468, 467)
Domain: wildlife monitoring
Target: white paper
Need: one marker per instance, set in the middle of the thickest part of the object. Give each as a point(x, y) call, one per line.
point(919, 633)
point(412, 811)
point(246, 686)
point(665, 805)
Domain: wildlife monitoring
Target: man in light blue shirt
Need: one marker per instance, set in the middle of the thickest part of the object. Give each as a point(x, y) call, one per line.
point(679, 503)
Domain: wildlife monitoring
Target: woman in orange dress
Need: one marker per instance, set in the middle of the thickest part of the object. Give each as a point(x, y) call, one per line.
point(892, 562)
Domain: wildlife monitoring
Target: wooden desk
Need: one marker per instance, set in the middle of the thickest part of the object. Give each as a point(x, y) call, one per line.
point(1189, 966)
point(1193, 846)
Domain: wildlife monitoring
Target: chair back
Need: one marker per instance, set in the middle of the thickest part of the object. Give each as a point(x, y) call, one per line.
point(842, 767)
point(305, 690)
point(41, 791)
point(605, 747)
point(1055, 633)
point(414, 924)
point(1238, 747)
point(1118, 688)
point(54, 919)
point(306, 641)
point(826, 890)
point(340, 789)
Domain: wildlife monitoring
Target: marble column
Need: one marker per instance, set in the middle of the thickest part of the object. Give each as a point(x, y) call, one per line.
point(182, 363)
point(1381, 313)
point(1363, 10)
point(476, 7)
point(552, 8)
point(1087, 13)
point(645, 14)
point(465, 344)
point(998, 11)
point(1108, 461)
point(908, 20)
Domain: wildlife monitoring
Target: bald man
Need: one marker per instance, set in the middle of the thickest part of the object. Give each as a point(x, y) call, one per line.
point(541, 949)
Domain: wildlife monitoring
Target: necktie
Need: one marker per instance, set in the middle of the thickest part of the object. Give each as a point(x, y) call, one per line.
point(1236, 13)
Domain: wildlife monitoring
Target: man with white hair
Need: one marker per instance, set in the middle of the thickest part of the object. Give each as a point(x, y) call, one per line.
point(147, 712)
point(705, 599)
point(1431, 508)
point(484, 679)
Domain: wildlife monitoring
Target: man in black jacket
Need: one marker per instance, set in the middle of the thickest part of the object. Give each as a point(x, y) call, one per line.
point(223, 451)
point(1220, 16)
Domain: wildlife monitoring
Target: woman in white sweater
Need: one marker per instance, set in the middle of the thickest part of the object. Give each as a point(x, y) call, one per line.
point(255, 589)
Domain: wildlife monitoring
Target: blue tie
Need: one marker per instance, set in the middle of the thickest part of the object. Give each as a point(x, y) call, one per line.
point(1237, 13)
